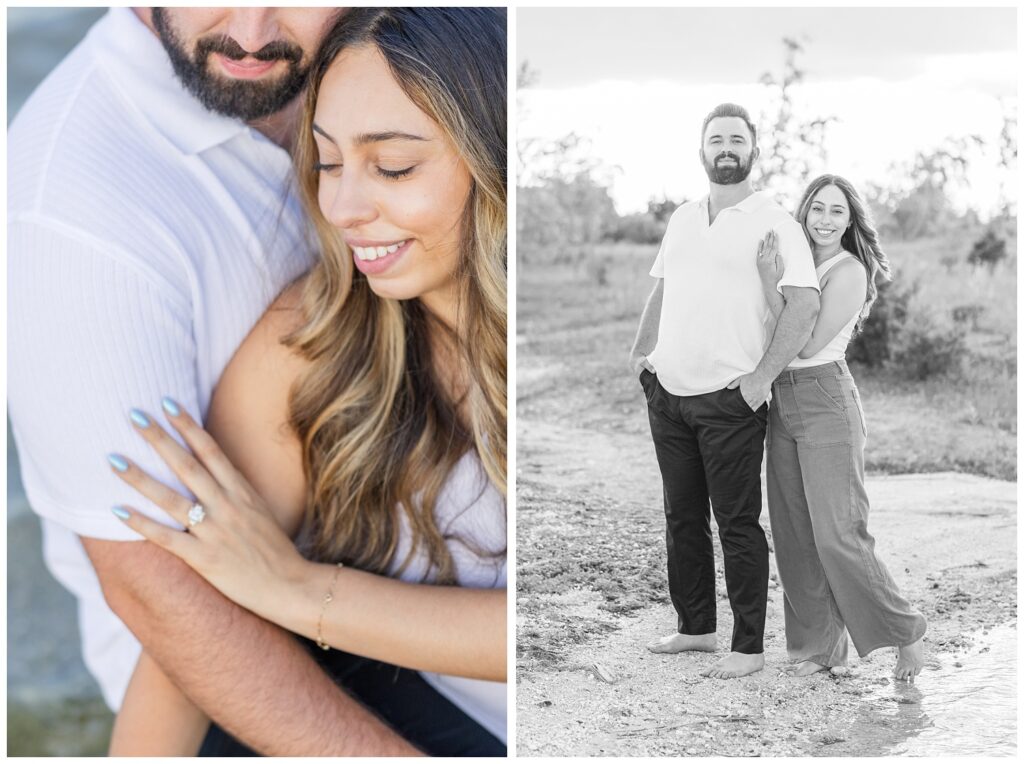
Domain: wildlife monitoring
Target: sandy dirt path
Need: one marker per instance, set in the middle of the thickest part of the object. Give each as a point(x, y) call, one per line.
point(592, 592)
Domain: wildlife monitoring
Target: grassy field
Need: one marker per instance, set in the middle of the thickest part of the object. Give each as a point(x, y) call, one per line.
point(583, 308)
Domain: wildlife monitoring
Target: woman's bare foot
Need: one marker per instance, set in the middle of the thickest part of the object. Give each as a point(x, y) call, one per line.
point(677, 643)
point(735, 665)
point(805, 668)
point(909, 661)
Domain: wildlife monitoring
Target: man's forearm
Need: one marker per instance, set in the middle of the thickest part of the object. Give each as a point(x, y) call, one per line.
point(251, 677)
point(776, 303)
point(647, 332)
point(792, 331)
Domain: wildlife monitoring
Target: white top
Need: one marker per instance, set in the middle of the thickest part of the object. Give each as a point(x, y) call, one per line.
point(713, 313)
point(835, 350)
point(146, 236)
point(468, 507)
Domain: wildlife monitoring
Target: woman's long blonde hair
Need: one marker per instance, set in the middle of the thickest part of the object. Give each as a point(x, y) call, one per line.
point(379, 432)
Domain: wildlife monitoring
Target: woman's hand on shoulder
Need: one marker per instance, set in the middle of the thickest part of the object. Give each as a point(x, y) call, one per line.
point(233, 539)
point(770, 265)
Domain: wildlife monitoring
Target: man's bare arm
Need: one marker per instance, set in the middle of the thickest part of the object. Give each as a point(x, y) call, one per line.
point(248, 675)
point(647, 333)
point(796, 322)
point(792, 331)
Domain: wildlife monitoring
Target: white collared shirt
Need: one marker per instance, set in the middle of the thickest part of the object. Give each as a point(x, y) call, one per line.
point(713, 312)
point(146, 236)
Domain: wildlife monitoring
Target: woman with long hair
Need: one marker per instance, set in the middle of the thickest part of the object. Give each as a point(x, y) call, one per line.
point(832, 580)
point(364, 418)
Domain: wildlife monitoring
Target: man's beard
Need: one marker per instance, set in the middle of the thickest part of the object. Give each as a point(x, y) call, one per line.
point(247, 100)
point(728, 176)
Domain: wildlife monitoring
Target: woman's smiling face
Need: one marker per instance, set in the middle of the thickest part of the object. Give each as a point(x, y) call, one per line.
point(390, 181)
point(828, 217)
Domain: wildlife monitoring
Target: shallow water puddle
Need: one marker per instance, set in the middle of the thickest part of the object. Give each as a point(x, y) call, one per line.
point(952, 710)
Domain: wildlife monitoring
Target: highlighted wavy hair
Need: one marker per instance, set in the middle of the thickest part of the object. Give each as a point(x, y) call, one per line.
point(379, 432)
point(860, 239)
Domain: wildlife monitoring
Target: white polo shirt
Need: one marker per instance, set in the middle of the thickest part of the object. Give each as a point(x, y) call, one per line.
point(713, 313)
point(146, 236)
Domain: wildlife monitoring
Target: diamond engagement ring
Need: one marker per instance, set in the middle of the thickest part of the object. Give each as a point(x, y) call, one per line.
point(196, 515)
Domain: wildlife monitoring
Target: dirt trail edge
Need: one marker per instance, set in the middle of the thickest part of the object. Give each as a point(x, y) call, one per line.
point(592, 592)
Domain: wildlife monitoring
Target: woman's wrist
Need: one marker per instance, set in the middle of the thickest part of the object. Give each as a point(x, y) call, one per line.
point(308, 582)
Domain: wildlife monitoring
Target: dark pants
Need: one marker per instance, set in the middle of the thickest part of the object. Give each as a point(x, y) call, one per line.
point(400, 697)
point(709, 447)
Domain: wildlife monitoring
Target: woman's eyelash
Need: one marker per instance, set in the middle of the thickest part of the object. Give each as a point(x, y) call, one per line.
point(393, 174)
point(390, 174)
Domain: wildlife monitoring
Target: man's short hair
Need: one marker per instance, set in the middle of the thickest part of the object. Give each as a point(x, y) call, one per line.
point(730, 110)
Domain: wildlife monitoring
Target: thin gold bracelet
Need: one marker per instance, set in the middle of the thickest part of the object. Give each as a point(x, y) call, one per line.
point(323, 609)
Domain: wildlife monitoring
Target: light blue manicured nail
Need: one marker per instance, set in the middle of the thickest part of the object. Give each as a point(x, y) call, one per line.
point(117, 462)
point(120, 513)
point(139, 418)
point(170, 406)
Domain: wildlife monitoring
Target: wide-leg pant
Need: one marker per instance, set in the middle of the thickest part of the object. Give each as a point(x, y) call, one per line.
point(832, 580)
point(709, 449)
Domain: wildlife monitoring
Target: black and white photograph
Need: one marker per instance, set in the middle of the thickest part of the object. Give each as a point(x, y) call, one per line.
point(257, 381)
point(766, 421)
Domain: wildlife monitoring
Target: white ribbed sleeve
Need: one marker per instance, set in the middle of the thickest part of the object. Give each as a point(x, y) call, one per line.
point(89, 334)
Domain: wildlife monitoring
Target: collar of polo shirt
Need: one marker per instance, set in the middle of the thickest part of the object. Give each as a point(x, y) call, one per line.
point(137, 61)
point(751, 204)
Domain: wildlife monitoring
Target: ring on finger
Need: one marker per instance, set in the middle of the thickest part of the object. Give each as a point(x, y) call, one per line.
point(196, 515)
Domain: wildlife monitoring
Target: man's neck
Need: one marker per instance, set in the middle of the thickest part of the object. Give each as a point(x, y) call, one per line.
point(721, 196)
point(280, 127)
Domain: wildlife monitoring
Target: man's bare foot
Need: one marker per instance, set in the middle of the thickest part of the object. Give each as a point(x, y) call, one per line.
point(909, 661)
point(735, 665)
point(805, 668)
point(678, 643)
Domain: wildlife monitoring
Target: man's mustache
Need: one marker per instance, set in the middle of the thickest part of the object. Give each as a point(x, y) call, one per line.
point(727, 155)
point(277, 50)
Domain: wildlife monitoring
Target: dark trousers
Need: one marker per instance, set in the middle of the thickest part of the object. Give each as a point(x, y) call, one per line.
point(709, 449)
point(400, 697)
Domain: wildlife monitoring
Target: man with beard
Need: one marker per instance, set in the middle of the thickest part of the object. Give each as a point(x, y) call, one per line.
point(706, 366)
point(151, 222)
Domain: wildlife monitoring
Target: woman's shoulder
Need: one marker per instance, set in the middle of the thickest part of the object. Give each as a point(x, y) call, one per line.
point(263, 360)
point(847, 280)
point(848, 271)
point(249, 414)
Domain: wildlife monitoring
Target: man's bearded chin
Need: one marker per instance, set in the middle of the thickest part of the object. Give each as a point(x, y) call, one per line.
point(239, 99)
point(728, 175)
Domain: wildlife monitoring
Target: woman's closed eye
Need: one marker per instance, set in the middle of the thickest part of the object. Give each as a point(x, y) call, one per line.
point(326, 167)
point(394, 174)
point(384, 172)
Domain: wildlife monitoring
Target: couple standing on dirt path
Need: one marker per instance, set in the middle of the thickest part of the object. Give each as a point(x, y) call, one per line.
point(720, 328)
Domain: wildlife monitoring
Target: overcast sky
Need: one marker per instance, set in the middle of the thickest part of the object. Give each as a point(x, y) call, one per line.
point(636, 82)
point(574, 46)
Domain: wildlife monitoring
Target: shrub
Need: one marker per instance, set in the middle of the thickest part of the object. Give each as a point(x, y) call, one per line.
point(639, 228)
point(929, 346)
point(988, 250)
point(874, 344)
point(968, 315)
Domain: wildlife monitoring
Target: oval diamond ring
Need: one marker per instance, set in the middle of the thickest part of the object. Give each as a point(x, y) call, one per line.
point(196, 515)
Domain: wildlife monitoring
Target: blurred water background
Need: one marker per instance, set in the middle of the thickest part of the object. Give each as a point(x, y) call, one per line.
point(54, 706)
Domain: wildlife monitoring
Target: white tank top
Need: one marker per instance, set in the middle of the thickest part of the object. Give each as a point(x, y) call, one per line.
point(835, 350)
point(468, 507)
